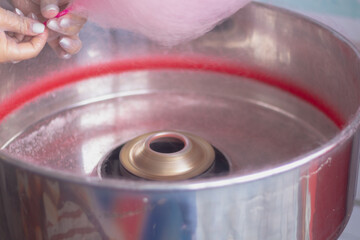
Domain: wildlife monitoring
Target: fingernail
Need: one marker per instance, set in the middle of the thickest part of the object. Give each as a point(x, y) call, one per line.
point(50, 8)
point(38, 28)
point(66, 56)
point(50, 11)
point(52, 24)
point(19, 12)
point(33, 16)
point(65, 43)
point(65, 23)
point(15, 62)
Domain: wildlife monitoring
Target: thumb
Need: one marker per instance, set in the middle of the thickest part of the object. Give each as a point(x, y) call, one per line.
point(12, 22)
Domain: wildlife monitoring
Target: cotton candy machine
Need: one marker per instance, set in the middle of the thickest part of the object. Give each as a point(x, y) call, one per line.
point(249, 132)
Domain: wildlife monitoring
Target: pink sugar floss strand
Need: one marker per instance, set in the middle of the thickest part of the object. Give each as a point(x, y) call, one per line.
point(60, 14)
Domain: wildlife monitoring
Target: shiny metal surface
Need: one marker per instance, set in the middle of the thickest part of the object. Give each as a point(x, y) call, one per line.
point(293, 154)
point(75, 139)
point(192, 157)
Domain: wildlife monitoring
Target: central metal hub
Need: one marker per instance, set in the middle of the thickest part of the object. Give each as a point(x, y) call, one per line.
point(167, 155)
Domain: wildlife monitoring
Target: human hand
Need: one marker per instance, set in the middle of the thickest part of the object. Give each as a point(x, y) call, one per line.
point(64, 31)
point(65, 34)
point(14, 48)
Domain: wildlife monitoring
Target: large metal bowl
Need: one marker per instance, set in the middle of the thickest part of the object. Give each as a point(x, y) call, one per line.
point(276, 93)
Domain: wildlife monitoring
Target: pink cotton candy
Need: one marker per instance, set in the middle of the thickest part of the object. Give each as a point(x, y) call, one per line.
point(168, 22)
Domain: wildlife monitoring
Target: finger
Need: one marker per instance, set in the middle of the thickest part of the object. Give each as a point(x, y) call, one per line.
point(61, 2)
point(60, 52)
point(28, 6)
point(71, 45)
point(11, 22)
point(28, 38)
point(49, 8)
point(27, 50)
point(69, 24)
point(53, 36)
point(19, 37)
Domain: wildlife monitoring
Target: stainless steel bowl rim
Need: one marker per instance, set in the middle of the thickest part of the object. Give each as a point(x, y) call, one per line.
point(215, 182)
